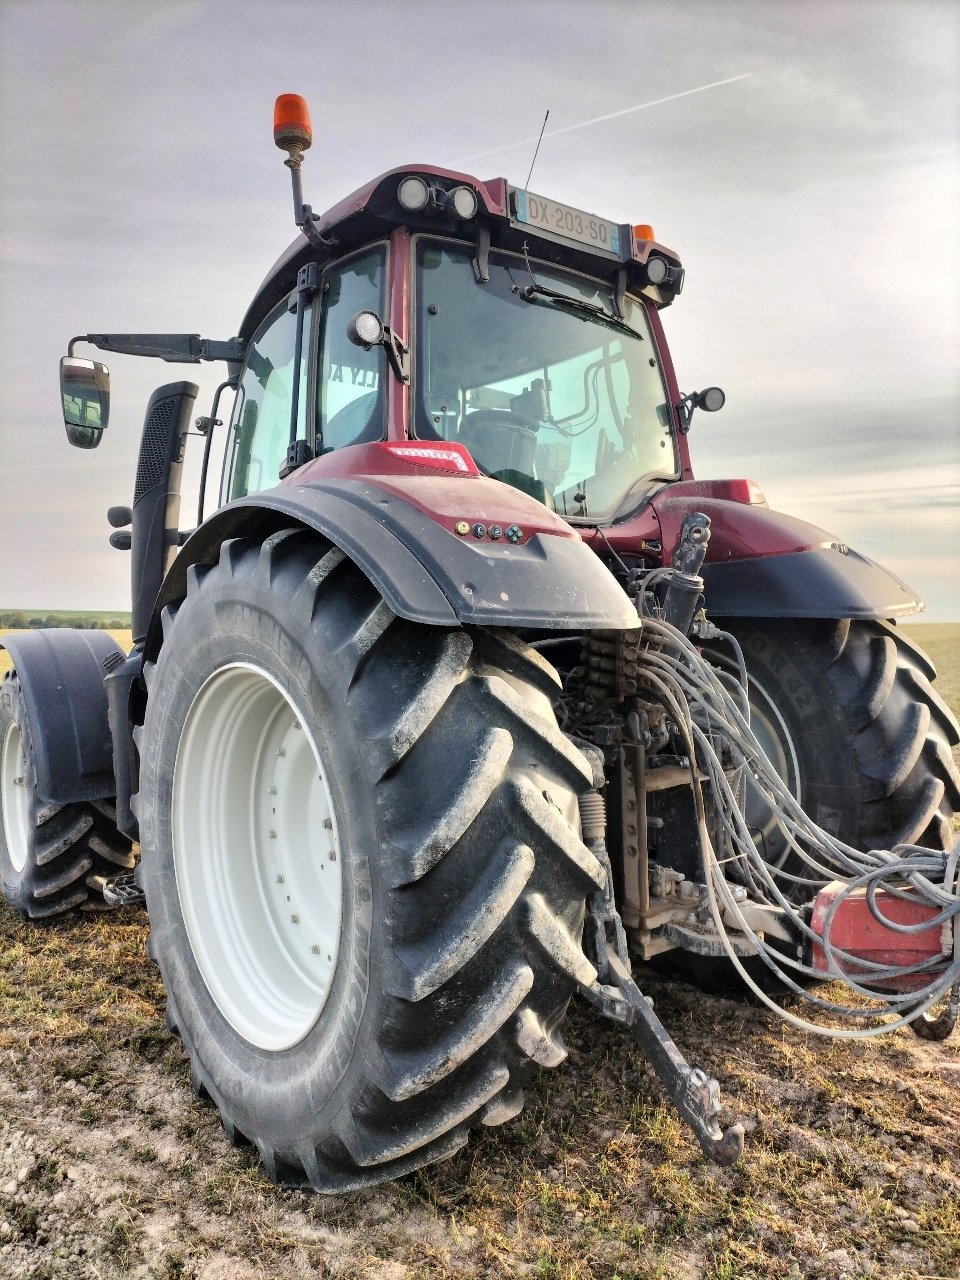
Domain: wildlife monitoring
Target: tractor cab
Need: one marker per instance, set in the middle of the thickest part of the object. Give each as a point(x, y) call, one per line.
point(432, 307)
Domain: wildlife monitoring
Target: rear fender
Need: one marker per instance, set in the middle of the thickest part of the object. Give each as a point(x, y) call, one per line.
point(765, 564)
point(424, 571)
point(61, 673)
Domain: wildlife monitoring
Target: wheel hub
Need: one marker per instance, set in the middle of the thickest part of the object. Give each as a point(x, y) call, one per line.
point(16, 797)
point(257, 856)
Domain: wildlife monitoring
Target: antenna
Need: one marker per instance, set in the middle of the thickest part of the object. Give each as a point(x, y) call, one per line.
point(537, 152)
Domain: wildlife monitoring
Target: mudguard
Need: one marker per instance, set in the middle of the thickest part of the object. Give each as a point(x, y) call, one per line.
point(826, 582)
point(61, 673)
point(424, 571)
point(765, 564)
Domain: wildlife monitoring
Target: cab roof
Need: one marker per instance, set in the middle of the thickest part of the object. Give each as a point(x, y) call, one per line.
point(372, 211)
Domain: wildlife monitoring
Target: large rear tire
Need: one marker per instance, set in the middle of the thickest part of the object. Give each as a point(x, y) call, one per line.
point(847, 713)
point(53, 858)
point(361, 861)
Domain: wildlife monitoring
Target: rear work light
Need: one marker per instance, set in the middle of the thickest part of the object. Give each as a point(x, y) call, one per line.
point(452, 458)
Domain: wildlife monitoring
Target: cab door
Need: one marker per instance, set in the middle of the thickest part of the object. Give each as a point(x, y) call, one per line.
point(260, 424)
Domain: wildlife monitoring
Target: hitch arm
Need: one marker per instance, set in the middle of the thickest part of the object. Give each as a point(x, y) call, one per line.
point(696, 1097)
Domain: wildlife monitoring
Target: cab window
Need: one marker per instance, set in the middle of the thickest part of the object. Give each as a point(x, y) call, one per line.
point(535, 373)
point(350, 386)
point(261, 415)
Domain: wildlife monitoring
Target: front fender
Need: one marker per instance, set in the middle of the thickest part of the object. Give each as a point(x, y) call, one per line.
point(825, 582)
point(765, 564)
point(61, 673)
point(423, 571)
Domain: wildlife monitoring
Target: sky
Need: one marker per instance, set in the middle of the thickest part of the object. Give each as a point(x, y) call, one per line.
point(814, 198)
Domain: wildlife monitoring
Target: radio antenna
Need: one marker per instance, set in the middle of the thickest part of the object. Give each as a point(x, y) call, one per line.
point(537, 152)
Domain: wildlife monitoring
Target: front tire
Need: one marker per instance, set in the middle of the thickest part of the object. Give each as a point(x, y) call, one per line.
point(53, 858)
point(847, 713)
point(355, 1034)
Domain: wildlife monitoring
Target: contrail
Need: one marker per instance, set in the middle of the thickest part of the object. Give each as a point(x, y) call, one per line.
point(585, 124)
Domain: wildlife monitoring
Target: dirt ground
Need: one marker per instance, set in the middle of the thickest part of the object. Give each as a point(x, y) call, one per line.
point(111, 1167)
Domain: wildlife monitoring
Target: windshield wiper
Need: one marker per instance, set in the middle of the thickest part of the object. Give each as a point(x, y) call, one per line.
point(588, 310)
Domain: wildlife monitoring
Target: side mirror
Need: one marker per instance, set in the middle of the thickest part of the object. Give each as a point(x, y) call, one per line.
point(85, 397)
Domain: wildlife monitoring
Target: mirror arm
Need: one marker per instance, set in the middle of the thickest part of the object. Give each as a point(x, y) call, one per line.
point(181, 348)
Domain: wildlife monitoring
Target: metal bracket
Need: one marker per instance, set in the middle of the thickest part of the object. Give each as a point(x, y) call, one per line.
point(481, 259)
point(694, 1094)
point(620, 293)
point(398, 354)
point(299, 453)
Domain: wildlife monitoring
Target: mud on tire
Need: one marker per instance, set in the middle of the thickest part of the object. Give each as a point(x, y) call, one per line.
point(870, 737)
point(453, 800)
point(53, 858)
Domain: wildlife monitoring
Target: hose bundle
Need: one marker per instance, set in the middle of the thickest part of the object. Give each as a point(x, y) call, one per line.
point(711, 713)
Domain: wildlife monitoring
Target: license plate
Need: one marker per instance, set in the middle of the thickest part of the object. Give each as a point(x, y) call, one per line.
point(570, 224)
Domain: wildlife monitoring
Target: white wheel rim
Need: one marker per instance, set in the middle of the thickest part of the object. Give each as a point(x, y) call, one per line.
point(257, 856)
point(16, 800)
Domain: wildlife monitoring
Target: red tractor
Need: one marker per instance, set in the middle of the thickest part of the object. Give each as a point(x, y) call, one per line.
point(468, 696)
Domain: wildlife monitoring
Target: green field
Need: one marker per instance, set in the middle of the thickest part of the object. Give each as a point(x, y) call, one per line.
point(15, 619)
point(941, 640)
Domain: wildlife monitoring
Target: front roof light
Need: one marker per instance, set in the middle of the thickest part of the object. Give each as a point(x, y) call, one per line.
point(413, 194)
point(464, 201)
point(657, 270)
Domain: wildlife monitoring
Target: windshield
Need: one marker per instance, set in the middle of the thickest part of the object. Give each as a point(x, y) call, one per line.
point(554, 397)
